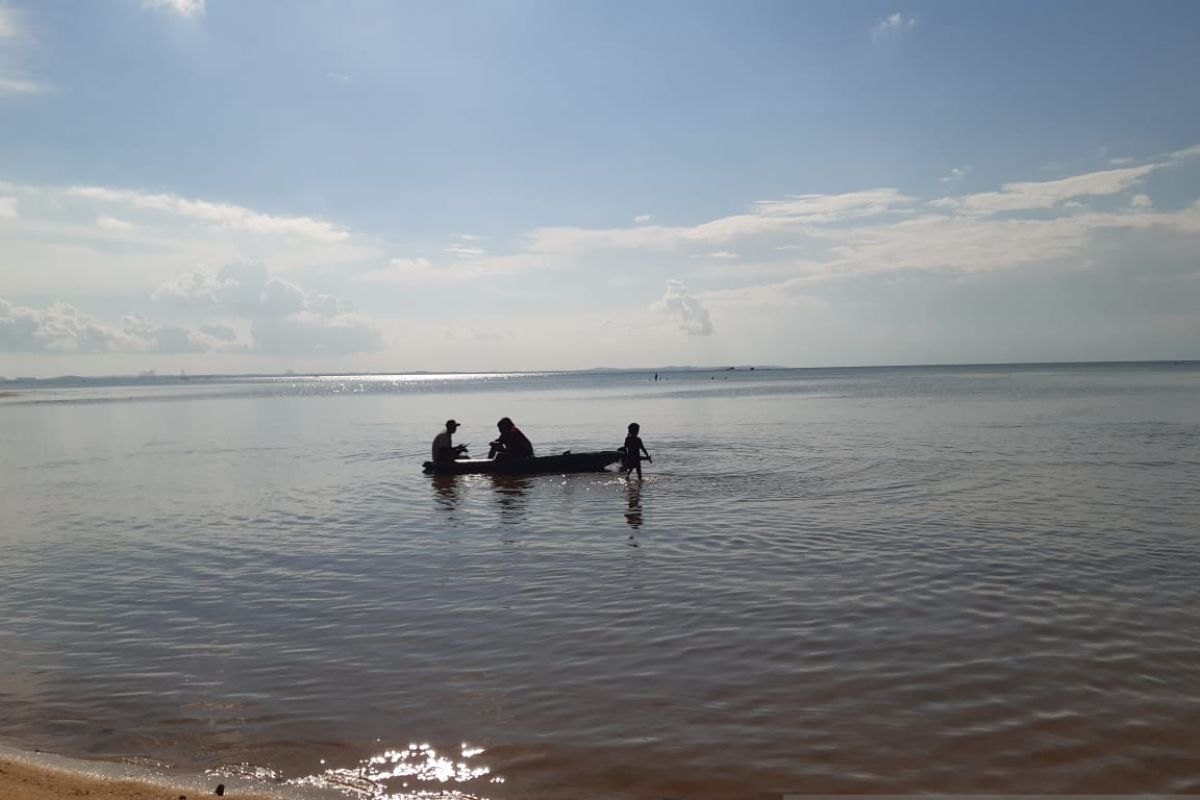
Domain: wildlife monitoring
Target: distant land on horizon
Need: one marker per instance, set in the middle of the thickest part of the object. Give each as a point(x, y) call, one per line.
point(155, 377)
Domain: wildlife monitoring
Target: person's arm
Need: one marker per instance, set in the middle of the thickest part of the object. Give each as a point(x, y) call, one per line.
point(644, 450)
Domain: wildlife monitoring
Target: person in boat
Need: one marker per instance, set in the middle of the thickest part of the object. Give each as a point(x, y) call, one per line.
point(511, 443)
point(444, 449)
point(633, 449)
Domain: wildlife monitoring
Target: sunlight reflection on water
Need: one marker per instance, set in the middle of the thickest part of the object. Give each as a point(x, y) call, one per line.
point(417, 772)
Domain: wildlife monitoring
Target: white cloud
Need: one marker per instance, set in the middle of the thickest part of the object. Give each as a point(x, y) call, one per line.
point(63, 328)
point(8, 207)
point(401, 270)
point(221, 215)
point(113, 224)
point(338, 77)
point(12, 30)
point(863, 232)
point(892, 25)
point(687, 312)
point(642, 219)
point(955, 174)
point(1036, 195)
point(188, 8)
point(9, 27)
point(794, 214)
point(464, 269)
point(1140, 201)
point(74, 236)
point(1187, 152)
point(464, 251)
point(11, 85)
point(246, 289)
point(222, 333)
point(285, 317)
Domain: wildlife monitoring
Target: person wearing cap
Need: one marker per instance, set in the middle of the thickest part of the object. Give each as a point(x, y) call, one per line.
point(444, 449)
point(512, 443)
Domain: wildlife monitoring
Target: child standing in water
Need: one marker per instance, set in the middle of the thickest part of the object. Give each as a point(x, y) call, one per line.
point(633, 449)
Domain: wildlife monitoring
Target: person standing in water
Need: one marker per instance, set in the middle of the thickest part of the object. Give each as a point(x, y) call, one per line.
point(632, 460)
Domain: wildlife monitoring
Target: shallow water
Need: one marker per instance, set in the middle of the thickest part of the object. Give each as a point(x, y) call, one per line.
point(894, 580)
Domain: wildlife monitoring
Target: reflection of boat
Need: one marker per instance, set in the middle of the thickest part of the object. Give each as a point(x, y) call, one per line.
point(567, 462)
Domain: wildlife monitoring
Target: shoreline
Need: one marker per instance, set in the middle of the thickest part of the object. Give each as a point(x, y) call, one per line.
point(46, 776)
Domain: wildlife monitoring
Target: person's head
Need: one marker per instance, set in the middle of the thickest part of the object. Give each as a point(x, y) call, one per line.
point(634, 428)
point(504, 424)
point(451, 425)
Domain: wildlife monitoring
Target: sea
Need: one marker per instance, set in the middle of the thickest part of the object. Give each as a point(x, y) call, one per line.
point(947, 579)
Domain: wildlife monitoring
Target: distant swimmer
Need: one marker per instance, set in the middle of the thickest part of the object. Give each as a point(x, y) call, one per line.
point(511, 442)
point(633, 449)
point(444, 449)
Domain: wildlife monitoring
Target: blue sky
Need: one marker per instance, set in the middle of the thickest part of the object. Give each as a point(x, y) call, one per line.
point(229, 186)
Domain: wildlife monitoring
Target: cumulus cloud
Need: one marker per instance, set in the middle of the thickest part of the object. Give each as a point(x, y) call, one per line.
point(221, 215)
point(285, 317)
point(63, 328)
point(687, 312)
point(246, 289)
point(188, 8)
point(892, 25)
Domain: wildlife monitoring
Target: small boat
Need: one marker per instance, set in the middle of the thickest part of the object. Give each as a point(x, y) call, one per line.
point(567, 462)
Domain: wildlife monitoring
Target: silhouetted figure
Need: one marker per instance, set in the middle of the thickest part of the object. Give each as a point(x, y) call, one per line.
point(444, 449)
point(633, 449)
point(511, 443)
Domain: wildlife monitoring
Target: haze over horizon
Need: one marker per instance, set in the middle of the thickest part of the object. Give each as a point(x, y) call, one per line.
point(224, 187)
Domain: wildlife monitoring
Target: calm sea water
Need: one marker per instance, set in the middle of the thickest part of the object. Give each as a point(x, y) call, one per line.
point(963, 579)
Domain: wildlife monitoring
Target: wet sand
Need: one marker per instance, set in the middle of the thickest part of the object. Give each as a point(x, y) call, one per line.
point(24, 780)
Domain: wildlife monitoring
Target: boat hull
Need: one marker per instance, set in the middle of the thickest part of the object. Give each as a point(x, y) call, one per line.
point(567, 462)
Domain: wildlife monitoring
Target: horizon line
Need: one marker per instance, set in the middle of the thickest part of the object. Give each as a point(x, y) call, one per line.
point(670, 368)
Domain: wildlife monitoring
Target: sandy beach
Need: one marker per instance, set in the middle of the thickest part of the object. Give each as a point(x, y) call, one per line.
point(22, 780)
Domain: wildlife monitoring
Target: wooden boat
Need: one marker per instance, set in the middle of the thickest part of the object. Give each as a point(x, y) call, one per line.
point(567, 462)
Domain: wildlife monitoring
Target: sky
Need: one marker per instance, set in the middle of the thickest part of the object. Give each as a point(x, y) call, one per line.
point(373, 185)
